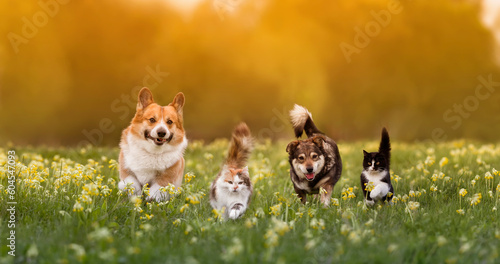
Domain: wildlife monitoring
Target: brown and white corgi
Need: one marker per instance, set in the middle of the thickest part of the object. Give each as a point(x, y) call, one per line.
point(315, 162)
point(152, 147)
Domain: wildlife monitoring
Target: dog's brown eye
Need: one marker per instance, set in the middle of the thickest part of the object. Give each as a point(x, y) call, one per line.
point(314, 156)
point(302, 158)
point(378, 163)
point(369, 163)
point(170, 122)
point(152, 120)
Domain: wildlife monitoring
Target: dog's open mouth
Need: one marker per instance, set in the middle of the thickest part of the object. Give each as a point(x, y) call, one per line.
point(310, 176)
point(158, 141)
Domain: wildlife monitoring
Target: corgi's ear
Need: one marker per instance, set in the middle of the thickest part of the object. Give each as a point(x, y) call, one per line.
point(178, 102)
point(292, 146)
point(145, 98)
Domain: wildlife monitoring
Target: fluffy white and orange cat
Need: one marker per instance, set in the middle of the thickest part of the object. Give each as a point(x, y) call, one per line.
point(231, 190)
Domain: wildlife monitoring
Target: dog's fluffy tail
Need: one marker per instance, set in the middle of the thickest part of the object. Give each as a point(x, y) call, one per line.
point(385, 146)
point(302, 122)
point(240, 147)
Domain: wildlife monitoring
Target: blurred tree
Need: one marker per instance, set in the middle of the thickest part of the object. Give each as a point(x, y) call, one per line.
point(85, 62)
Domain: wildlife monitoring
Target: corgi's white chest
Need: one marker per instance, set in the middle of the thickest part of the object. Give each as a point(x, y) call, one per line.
point(146, 160)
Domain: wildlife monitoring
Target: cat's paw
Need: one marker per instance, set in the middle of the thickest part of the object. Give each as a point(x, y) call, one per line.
point(369, 202)
point(236, 211)
point(379, 192)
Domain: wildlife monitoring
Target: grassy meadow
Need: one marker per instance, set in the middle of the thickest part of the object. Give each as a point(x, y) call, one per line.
point(69, 210)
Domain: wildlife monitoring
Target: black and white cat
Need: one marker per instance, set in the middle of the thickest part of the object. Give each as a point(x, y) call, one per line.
point(376, 170)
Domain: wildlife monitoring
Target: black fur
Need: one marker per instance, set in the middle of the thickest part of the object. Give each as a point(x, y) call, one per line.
point(382, 160)
point(309, 127)
point(319, 143)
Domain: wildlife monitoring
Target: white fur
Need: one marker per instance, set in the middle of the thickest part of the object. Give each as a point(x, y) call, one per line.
point(226, 197)
point(370, 202)
point(381, 188)
point(299, 115)
point(154, 132)
point(301, 170)
point(145, 159)
point(132, 182)
point(379, 191)
point(156, 194)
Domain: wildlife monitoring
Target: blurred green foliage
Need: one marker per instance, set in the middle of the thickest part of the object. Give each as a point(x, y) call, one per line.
point(76, 78)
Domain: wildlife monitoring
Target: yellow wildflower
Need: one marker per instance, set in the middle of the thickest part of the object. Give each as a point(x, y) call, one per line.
point(77, 207)
point(443, 162)
point(189, 176)
point(476, 199)
point(275, 209)
point(184, 207)
point(462, 192)
point(413, 205)
point(460, 211)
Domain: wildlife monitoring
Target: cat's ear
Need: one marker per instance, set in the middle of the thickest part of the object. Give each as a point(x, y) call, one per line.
point(244, 171)
point(364, 152)
point(292, 146)
point(232, 171)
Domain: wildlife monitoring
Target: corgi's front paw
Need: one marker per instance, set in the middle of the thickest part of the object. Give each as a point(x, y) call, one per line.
point(156, 194)
point(130, 185)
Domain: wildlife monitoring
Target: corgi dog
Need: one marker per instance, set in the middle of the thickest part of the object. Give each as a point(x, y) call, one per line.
point(315, 162)
point(152, 147)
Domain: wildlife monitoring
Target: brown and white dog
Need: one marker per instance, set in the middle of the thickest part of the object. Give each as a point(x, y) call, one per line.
point(152, 147)
point(315, 162)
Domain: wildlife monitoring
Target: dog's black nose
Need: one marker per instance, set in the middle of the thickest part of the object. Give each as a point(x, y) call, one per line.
point(310, 169)
point(161, 133)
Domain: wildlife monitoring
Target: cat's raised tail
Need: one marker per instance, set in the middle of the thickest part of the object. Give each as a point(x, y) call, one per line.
point(240, 148)
point(302, 122)
point(385, 146)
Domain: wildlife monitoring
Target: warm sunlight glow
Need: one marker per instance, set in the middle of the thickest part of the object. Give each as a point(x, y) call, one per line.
point(184, 5)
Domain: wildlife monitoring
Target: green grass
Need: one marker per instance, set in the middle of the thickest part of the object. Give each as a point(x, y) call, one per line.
point(422, 226)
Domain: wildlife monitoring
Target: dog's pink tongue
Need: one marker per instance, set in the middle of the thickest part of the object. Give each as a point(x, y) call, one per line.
point(310, 176)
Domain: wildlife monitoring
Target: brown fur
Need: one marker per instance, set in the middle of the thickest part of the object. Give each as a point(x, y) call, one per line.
point(148, 114)
point(240, 148)
point(300, 153)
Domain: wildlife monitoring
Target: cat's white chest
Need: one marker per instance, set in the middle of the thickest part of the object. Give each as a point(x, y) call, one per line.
point(375, 176)
point(227, 198)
